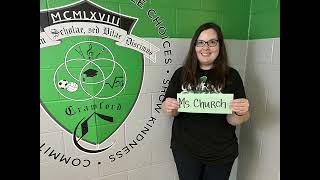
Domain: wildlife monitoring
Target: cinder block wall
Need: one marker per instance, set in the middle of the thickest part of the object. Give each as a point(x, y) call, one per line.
point(260, 138)
point(152, 158)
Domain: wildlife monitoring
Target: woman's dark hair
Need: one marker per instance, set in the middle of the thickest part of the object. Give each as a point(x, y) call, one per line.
point(220, 64)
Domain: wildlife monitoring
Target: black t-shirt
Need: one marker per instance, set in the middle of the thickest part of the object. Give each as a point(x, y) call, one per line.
point(207, 137)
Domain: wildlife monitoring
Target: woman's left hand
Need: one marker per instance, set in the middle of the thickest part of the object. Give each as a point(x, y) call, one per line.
point(240, 106)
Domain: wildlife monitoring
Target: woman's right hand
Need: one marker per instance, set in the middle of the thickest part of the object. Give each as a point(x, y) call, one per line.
point(170, 105)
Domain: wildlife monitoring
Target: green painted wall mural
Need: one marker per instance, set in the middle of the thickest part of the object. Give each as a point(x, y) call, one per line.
point(265, 19)
point(94, 56)
point(91, 69)
point(183, 16)
point(91, 72)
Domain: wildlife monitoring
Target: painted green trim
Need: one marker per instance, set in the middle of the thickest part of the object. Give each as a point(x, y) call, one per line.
point(182, 17)
point(265, 25)
point(265, 19)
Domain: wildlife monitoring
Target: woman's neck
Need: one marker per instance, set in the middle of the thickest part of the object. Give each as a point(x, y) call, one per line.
point(206, 67)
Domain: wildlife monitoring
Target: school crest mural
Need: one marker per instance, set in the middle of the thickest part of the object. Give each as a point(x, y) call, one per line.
point(93, 70)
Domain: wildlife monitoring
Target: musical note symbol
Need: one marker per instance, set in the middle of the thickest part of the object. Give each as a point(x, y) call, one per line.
point(89, 52)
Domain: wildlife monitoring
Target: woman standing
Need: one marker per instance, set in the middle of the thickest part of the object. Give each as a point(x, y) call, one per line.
point(204, 145)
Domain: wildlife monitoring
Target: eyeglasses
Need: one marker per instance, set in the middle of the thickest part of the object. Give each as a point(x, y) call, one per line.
point(211, 43)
